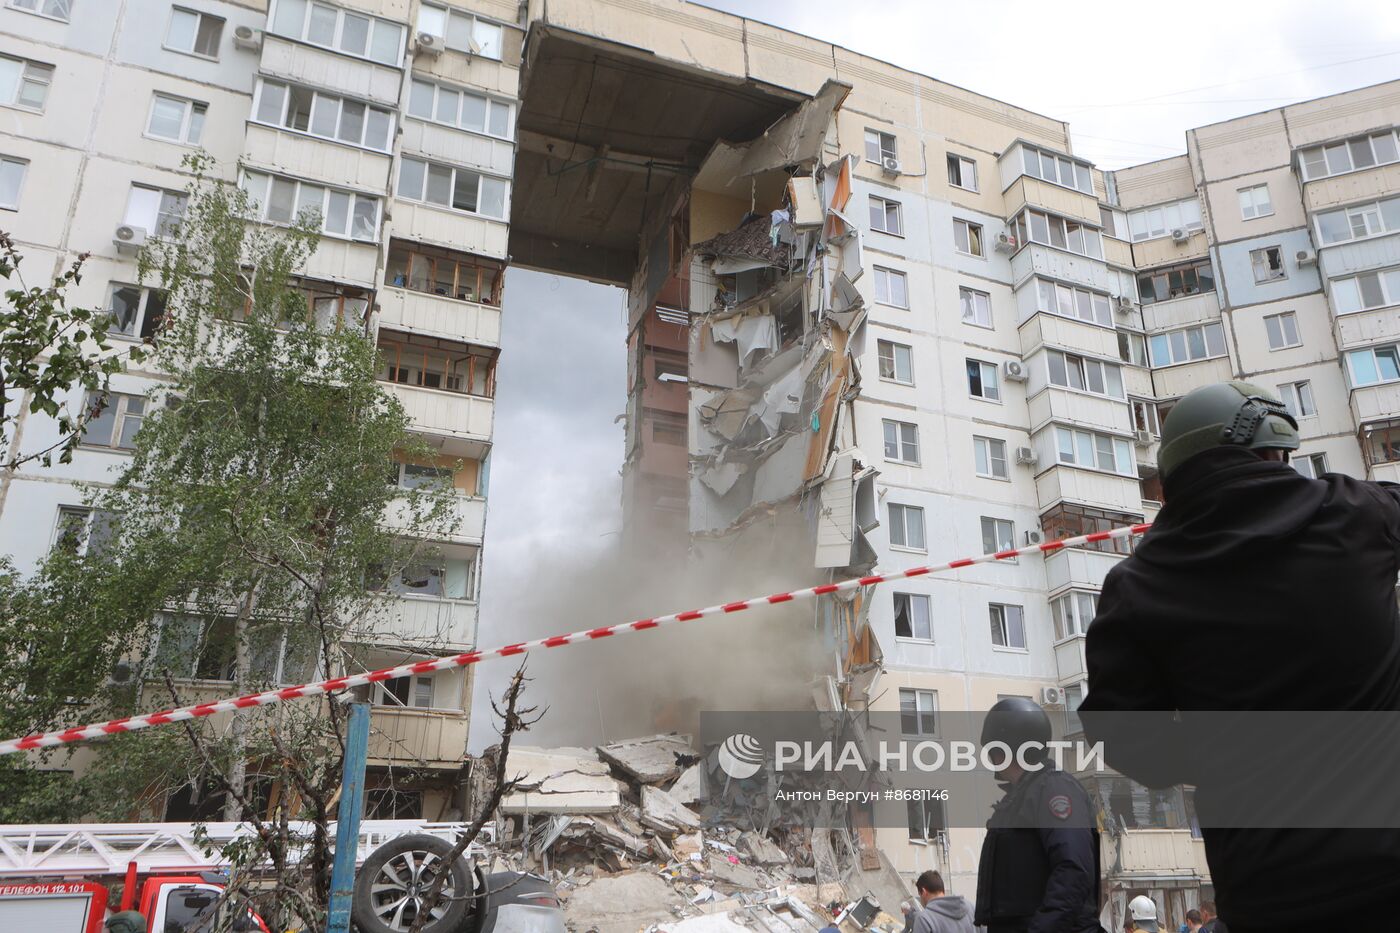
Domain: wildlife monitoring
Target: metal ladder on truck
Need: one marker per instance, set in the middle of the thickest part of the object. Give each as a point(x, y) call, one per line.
point(85, 850)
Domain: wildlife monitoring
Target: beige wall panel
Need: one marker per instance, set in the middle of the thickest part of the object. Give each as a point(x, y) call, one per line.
point(1155, 183)
point(337, 260)
point(1382, 181)
point(1176, 381)
point(325, 69)
point(684, 32)
point(487, 153)
point(1367, 327)
point(1032, 192)
point(1164, 251)
point(1179, 312)
point(1314, 328)
point(50, 180)
point(421, 313)
point(1104, 490)
point(1067, 334)
point(318, 159)
point(1224, 205)
point(1248, 144)
point(473, 71)
point(786, 59)
point(450, 229)
point(1344, 114)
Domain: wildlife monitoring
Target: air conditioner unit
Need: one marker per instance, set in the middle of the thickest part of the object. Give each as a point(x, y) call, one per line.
point(129, 239)
point(1006, 243)
point(1032, 537)
point(246, 37)
point(425, 43)
point(1144, 438)
point(1305, 257)
point(1027, 456)
point(1179, 235)
point(1123, 304)
point(891, 166)
point(1014, 371)
point(1052, 696)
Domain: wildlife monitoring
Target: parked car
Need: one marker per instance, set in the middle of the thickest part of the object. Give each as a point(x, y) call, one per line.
point(392, 885)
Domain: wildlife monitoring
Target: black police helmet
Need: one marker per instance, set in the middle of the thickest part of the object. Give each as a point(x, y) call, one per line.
point(1016, 721)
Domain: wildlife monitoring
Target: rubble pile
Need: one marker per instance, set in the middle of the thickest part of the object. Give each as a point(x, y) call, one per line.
point(648, 835)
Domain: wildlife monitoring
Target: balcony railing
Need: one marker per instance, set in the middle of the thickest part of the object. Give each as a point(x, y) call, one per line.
point(437, 738)
point(423, 313)
point(467, 518)
point(465, 420)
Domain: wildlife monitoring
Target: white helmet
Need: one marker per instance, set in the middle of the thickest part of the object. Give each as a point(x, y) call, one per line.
point(1142, 908)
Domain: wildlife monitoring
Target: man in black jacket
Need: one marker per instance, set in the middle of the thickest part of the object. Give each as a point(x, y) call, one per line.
point(1278, 593)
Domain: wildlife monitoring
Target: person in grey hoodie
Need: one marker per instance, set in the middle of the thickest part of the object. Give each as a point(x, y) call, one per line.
point(941, 912)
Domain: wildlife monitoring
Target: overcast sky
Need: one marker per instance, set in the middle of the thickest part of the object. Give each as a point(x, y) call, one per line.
point(1130, 83)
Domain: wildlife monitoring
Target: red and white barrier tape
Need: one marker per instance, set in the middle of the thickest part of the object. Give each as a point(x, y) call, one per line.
point(337, 684)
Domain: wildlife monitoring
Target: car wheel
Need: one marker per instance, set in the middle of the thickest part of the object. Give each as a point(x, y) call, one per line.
point(392, 886)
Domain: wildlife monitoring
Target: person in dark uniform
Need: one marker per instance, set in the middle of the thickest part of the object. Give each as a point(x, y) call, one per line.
point(1039, 871)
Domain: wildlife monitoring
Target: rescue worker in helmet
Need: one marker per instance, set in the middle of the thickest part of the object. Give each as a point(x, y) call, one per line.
point(1278, 593)
point(1039, 868)
point(1142, 913)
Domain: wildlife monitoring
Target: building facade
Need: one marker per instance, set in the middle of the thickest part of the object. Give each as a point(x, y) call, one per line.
point(395, 120)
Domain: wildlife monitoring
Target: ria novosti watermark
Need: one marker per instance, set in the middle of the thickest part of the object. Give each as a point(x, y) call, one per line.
point(930, 755)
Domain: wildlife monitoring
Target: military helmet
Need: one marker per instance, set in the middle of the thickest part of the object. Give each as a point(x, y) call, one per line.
point(1228, 414)
point(1017, 721)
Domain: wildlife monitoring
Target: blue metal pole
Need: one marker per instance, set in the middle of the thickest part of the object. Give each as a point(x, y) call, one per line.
point(347, 830)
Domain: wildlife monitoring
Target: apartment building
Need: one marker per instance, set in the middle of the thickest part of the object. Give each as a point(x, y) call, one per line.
point(396, 120)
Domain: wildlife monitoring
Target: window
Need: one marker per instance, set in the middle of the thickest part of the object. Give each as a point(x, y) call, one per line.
point(1254, 202)
point(1148, 223)
point(1073, 612)
point(1374, 365)
point(459, 189)
point(911, 616)
point(136, 311)
point(333, 28)
point(440, 272)
point(54, 9)
point(885, 216)
point(443, 578)
point(325, 115)
point(462, 31)
point(84, 531)
point(420, 476)
point(447, 365)
point(1353, 154)
point(1268, 264)
point(976, 307)
point(879, 146)
point(1310, 465)
point(1188, 278)
point(1115, 223)
point(998, 535)
point(113, 419)
point(1095, 451)
point(1368, 290)
point(1059, 232)
point(1071, 521)
point(896, 362)
point(982, 381)
point(907, 527)
point(11, 181)
point(1085, 375)
point(962, 172)
point(1008, 626)
point(1187, 345)
point(926, 819)
point(462, 109)
point(891, 287)
point(989, 453)
point(1132, 347)
point(1380, 442)
point(155, 210)
point(1282, 330)
point(1057, 169)
point(194, 33)
point(176, 119)
point(1078, 303)
point(901, 442)
point(414, 691)
point(967, 237)
point(207, 649)
point(390, 803)
point(1145, 416)
point(1361, 220)
point(1298, 398)
point(278, 200)
point(918, 712)
point(24, 83)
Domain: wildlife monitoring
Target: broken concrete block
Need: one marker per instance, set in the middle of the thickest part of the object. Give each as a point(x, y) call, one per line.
point(561, 780)
point(611, 834)
point(664, 813)
point(651, 760)
point(689, 847)
point(761, 849)
point(736, 873)
point(692, 786)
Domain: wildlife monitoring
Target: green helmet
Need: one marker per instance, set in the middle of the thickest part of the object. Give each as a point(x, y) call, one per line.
point(126, 921)
point(1229, 414)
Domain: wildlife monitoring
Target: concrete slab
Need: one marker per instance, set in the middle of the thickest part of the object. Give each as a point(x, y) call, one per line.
point(649, 760)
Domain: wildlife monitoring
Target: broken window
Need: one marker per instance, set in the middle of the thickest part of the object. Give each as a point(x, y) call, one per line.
point(1071, 521)
point(976, 307)
point(891, 287)
point(885, 216)
point(989, 454)
point(962, 172)
point(1008, 626)
point(413, 691)
point(901, 442)
point(879, 146)
point(437, 578)
point(911, 616)
point(927, 820)
point(666, 369)
point(998, 534)
point(918, 712)
point(1073, 612)
point(441, 272)
point(1380, 441)
point(85, 531)
point(907, 527)
point(967, 237)
point(447, 365)
point(1298, 398)
point(136, 311)
point(1268, 264)
point(983, 381)
point(462, 31)
point(1132, 347)
point(1254, 202)
point(1282, 330)
point(1145, 416)
point(1310, 465)
point(896, 362)
point(114, 419)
